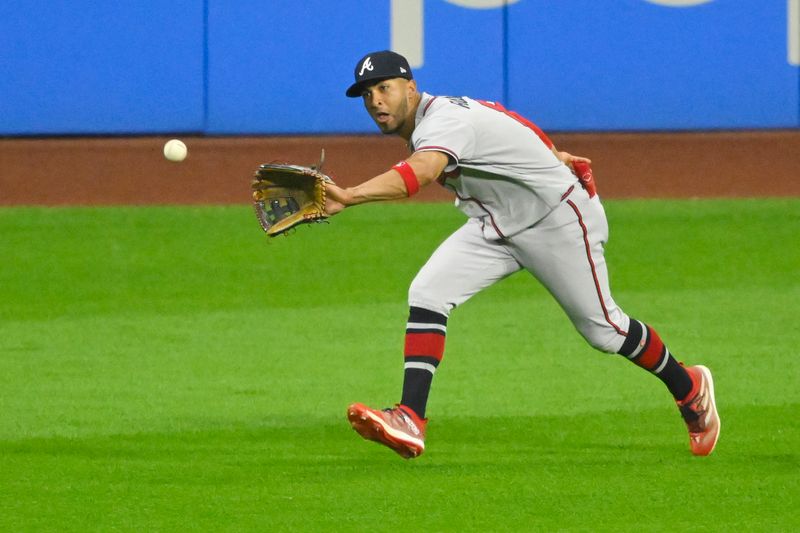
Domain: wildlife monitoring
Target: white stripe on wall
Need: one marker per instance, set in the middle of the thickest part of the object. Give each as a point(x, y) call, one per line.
point(793, 31)
point(407, 30)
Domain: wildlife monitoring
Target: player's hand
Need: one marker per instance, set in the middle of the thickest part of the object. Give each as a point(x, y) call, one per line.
point(336, 198)
point(568, 159)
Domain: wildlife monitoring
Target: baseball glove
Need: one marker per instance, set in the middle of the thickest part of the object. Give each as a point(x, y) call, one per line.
point(285, 196)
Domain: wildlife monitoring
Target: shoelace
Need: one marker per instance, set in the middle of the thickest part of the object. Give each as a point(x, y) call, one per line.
point(407, 421)
point(399, 412)
point(395, 412)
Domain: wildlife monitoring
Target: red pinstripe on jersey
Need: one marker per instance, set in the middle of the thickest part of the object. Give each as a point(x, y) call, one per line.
point(425, 109)
point(448, 151)
point(522, 120)
point(483, 207)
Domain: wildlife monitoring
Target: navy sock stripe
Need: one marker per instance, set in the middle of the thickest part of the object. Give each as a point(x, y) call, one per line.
point(423, 330)
point(633, 339)
point(419, 315)
point(421, 359)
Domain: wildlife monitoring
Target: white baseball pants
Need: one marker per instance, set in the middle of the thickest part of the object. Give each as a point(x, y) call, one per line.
point(564, 251)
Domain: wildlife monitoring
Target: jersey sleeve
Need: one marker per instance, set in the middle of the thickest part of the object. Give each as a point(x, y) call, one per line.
point(447, 133)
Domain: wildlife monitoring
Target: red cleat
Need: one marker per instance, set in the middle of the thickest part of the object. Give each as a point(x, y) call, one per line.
point(399, 428)
point(699, 411)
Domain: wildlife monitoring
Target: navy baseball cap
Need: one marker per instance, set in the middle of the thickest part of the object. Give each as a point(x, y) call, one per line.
point(378, 66)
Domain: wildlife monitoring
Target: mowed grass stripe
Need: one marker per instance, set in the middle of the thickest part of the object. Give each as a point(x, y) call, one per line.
point(168, 369)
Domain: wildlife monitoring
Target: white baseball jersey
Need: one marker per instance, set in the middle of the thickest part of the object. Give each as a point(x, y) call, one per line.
point(501, 171)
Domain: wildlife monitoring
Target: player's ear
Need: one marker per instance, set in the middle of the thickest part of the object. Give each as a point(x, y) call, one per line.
point(411, 87)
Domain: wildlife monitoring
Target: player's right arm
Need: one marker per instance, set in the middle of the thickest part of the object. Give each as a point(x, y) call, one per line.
point(401, 181)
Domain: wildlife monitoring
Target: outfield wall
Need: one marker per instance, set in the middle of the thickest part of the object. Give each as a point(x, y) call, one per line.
point(256, 67)
point(270, 75)
point(132, 170)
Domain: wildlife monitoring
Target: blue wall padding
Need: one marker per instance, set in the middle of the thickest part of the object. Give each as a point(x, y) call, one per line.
point(215, 67)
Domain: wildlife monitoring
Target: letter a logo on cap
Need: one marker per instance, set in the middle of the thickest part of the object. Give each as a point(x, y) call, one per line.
point(366, 65)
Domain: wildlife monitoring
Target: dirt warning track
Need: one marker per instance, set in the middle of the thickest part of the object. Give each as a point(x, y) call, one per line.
point(133, 171)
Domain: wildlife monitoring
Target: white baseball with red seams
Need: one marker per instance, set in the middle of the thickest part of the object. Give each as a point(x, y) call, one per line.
point(526, 210)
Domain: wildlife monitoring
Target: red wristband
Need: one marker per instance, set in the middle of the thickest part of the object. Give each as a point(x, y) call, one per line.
point(409, 178)
point(585, 176)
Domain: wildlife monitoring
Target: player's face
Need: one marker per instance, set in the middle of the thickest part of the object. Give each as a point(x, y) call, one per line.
point(388, 102)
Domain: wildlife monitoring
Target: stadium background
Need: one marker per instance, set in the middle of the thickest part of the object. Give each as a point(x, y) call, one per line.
point(168, 368)
point(699, 100)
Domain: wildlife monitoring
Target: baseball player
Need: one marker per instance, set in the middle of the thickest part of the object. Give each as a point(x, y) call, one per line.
point(526, 210)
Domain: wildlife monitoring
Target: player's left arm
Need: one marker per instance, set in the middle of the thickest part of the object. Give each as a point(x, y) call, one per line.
point(401, 181)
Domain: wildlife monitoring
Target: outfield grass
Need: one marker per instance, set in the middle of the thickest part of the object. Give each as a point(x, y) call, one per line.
point(168, 369)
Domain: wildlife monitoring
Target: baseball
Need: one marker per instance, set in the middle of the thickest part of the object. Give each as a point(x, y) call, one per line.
point(175, 150)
